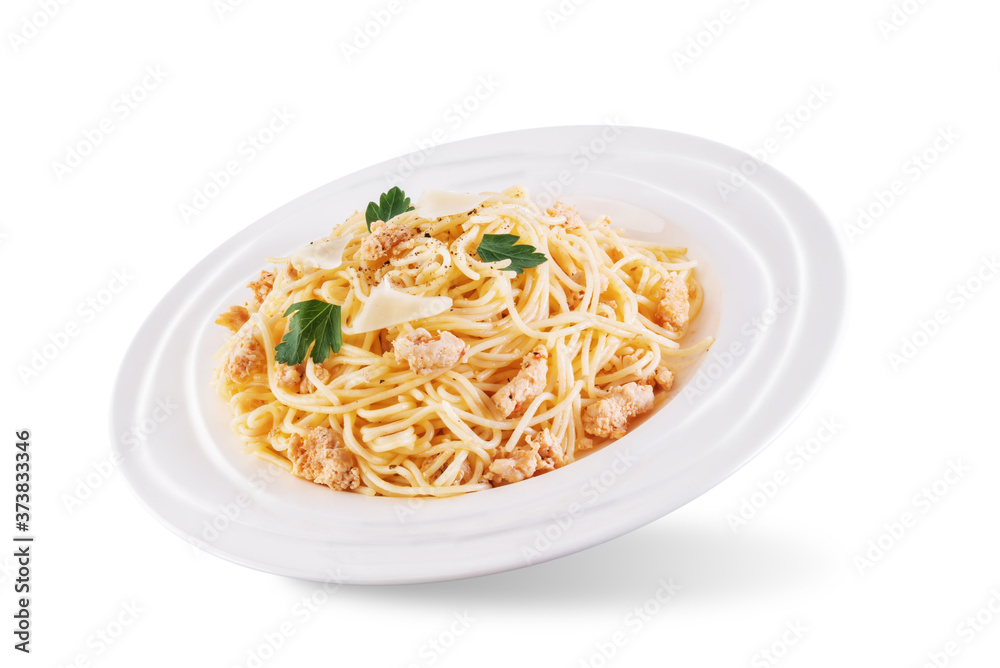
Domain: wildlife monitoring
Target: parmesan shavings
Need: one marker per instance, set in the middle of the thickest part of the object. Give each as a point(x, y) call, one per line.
point(325, 253)
point(439, 203)
point(387, 307)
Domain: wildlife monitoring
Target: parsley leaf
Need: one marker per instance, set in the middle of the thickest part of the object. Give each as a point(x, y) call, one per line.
point(312, 320)
point(390, 205)
point(495, 247)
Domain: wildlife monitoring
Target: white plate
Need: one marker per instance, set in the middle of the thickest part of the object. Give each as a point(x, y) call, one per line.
point(768, 238)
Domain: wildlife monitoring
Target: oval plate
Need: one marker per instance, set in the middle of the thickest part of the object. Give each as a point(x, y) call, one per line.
point(775, 290)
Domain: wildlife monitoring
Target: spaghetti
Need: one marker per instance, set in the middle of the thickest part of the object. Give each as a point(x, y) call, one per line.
point(524, 371)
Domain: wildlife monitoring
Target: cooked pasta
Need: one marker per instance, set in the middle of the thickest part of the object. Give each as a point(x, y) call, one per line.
point(492, 376)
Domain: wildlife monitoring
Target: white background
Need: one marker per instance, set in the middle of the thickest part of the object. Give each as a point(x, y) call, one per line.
point(796, 562)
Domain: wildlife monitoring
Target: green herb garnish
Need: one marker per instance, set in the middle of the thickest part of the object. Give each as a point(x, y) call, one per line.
point(311, 321)
point(390, 205)
point(496, 247)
